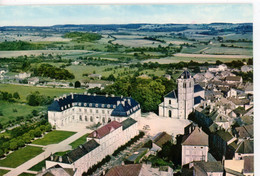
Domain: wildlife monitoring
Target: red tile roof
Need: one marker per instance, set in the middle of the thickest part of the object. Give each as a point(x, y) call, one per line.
point(125, 170)
point(197, 138)
point(103, 131)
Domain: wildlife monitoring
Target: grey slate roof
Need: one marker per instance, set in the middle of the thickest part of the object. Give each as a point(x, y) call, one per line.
point(197, 100)
point(127, 123)
point(95, 101)
point(209, 166)
point(77, 153)
point(172, 94)
point(246, 146)
point(185, 75)
point(197, 88)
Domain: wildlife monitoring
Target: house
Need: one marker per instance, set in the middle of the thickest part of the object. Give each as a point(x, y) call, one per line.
point(242, 167)
point(95, 76)
point(33, 80)
point(195, 146)
point(245, 132)
point(139, 170)
point(249, 88)
point(233, 79)
point(91, 109)
point(159, 140)
point(245, 148)
point(223, 144)
point(100, 143)
point(179, 103)
point(246, 68)
point(75, 63)
point(144, 76)
point(167, 76)
point(202, 168)
point(94, 85)
point(57, 170)
point(234, 92)
point(23, 75)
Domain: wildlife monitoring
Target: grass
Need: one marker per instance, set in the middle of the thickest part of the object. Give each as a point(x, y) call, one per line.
point(54, 137)
point(38, 167)
point(24, 91)
point(20, 156)
point(26, 174)
point(12, 110)
point(61, 153)
point(79, 141)
point(2, 172)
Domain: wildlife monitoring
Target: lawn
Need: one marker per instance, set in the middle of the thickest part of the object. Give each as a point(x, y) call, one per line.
point(79, 141)
point(53, 137)
point(2, 172)
point(24, 91)
point(12, 110)
point(38, 167)
point(20, 156)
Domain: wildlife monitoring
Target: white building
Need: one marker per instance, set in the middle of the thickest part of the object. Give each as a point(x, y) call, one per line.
point(247, 68)
point(33, 80)
point(23, 75)
point(179, 103)
point(91, 109)
point(100, 143)
point(195, 147)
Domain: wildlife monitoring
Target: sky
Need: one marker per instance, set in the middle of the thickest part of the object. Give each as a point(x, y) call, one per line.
point(48, 15)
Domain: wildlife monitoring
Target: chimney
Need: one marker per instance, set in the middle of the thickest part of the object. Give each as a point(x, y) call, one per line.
point(129, 101)
point(123, 103)
point(122, 96)
point(117, 103)
point(60, 159)
point(89, 93)
point(94, 94)
point(112, 95)
point(65, 95)
point(51, 157)
point(72, 95)
point(106, 95)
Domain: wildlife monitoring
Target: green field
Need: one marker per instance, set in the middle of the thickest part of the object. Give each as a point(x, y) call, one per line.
point(53, 137)
point(38, 166)
point(20, 156)
point(2, 172)
point(79, 141)
point(24, 91)
point(12, 110)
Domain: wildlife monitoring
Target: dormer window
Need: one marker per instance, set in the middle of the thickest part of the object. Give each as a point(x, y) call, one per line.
point(65, 106)
point(114, 106)
point(96, 105)
point(68, 105)
point(85, 104)
point(79, 104)
point(108, 106)
point(90, 104)
point(62, 108)
point(102, 105)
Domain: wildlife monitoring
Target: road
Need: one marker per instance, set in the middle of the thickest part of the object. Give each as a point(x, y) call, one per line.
point(48, 150)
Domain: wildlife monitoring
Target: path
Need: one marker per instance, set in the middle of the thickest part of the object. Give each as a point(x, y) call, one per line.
point(49, 149)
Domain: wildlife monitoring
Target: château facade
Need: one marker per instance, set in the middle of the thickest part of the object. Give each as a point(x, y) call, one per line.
point(179, 103)
point(91, 109)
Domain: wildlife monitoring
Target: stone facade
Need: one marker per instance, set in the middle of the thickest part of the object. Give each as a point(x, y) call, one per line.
point(180, 103)
point(91, 109)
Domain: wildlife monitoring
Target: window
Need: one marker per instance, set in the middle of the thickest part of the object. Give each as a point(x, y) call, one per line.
point(103, 111)
point(170, 113)
point(86, 118)
point(90, 110)
point(170, 102)
point(86, 110)
point(80, 118)
point(91, 118)
point(96, 111)
point(184, 85)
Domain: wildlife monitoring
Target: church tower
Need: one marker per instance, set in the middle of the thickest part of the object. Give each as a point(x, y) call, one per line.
point(185, 94)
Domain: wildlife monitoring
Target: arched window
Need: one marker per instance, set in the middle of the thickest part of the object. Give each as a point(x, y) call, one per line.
point(184, 85)
point(86, 118)
point(170, 113)
point(170, 102)
point(91, 118)
point(80, 118)
point(103, 120)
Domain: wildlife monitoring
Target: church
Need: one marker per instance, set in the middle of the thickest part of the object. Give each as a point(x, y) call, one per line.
point(179, 103)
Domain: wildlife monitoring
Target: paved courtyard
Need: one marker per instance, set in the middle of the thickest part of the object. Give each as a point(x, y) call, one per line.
point(158, 124)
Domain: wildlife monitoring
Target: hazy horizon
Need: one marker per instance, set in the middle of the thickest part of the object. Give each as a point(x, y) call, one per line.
point(125, 14)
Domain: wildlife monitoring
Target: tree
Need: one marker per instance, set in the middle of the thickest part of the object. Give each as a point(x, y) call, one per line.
point(16, 95)
point(77, 84)
point(20, 142)
point(35, 112)
point(48, 128)
point(70, 84)
point(1, 153)
point(37, 132)
point(111, 77)
point(13, 145)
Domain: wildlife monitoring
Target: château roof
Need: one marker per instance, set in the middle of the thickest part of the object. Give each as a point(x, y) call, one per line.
point(185, 75)
point(197, 88)
point(172, 94)
point(105, 130)
point(162, 138)
point(122, 170)
point(197, 100)
point(196, 138)
point(96, 101)
point(128, 122)
point(209, 166)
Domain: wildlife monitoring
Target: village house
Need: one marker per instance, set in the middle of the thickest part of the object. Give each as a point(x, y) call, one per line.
point(57, 170)
point(242, 167)
point(245, 148)
point(23, 75)
point(139, 170)
point(159, 140)
point(195, 146)
point(33, 80)
point(100, 143)
point(95, 76)
point(202, 168)
point(234, 79)
point(246, 68)
point(91, 109)
point(179, 103)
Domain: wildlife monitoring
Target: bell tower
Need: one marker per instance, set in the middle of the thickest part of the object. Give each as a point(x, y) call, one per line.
point(185, 94)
